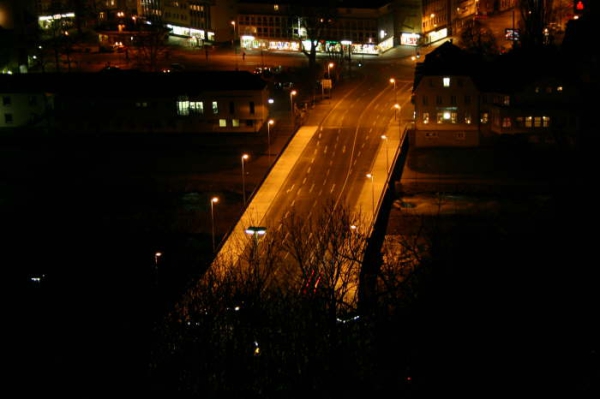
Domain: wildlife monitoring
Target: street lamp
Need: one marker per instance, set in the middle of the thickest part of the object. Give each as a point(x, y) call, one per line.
point(370, 176)
point(244, 158)
point(393, 81)
point(269, 123)
point(234, 45)
point(397, 109)
point(387, 156)
point(157, 255)
point(213, 201)
point(256, 231)
point(329, 66)
point(292, 94)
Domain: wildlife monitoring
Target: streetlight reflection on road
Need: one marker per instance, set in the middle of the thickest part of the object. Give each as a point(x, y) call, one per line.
point(244, 158)
point(213, 201)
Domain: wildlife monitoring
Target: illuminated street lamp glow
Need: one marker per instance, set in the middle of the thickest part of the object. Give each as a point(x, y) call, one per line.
point(329, 66)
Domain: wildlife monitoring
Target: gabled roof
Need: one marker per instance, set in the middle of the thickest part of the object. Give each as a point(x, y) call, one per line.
point(506, 73)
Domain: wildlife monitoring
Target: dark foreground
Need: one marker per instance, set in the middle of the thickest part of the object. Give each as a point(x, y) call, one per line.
point(511, 305)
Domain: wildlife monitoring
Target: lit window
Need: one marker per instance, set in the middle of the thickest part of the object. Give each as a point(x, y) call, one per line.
point(197, 107)
point(506, 122)
point(215, 107)
point(468, 119)
point(235, 122)
point(446, 82)
point(528, 121)
point(222, 122)
point(453, 117)
point(546, 121)
point(440, 117)
point(537, 121)
point(485, 118)
point(183, 108)
point(506, 100)
point(425, 118)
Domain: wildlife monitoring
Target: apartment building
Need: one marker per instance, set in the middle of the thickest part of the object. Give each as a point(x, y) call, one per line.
point(462, 100)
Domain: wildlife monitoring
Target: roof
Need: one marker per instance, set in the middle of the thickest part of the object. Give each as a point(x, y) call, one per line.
point(132, 82)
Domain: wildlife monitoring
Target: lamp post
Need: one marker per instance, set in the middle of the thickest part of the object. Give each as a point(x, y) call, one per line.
point(397, 109)
point(269, 123)
point(393, 82)
point(292, 94)
point(234, 45)
point(387, 155)
point(370, 176)
point(244, 158)
point(255, 232)
point(213, 201)
point(329, 66)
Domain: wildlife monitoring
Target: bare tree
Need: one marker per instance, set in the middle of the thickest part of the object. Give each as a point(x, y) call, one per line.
point(150, 47)
point(477, 38)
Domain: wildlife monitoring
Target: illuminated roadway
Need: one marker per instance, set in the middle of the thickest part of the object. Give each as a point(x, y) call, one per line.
point(329, 159)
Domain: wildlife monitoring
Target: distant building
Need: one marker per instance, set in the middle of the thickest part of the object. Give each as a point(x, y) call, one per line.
point(462, 100)
point(115, 102)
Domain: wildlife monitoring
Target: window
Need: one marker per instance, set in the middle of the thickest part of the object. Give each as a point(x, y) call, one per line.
point(453, 117)
point(6, 101)
point(252, 108)
point(425, 118)
point(183, 106)
point(438, 100)
point(215, 107)
point(506, 100)
point(528, 121)
point(231, 107)
point(197, 107)
point(537, 121)
point(546, 121)
point(467, 100)
point(506, 122)
point(452, 100)
point(235, 122)
point(222, 122)
point(468, 118)
point(460, 136)
point(425, 100)
point(8, 119)
point(484, 118)
point(440, 117)
point(446, 81)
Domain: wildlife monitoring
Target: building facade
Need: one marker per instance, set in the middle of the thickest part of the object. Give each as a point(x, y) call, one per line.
point(191, 103)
